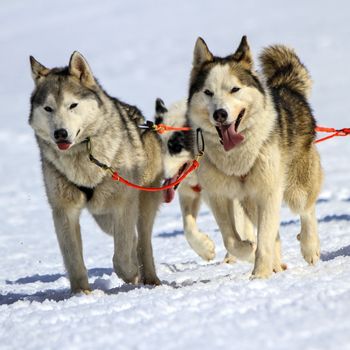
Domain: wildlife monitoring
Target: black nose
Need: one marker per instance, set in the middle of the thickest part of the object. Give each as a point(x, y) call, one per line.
point(60, 134)
point(220, 115)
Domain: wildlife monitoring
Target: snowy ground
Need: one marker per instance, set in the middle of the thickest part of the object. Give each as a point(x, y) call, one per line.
point(139, 51)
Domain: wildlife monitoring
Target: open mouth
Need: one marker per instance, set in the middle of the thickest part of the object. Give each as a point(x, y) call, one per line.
point(229, 137)
point(63, 145)
point(169, 193)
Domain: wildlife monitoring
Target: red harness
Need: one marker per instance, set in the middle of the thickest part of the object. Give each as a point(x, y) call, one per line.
point(161, 128)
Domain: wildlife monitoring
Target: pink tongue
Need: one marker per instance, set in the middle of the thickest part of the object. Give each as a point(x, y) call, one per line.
point(63, 145)
point(230, 138)
point(168, 194)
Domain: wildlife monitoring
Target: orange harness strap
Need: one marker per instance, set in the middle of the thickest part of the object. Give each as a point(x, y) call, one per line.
point(162, 128)
point(194, 166)
point(117, 177)
point(335, 132)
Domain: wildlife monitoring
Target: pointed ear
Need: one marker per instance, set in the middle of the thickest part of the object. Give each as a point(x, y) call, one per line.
point(38, 70)
point(160, 106)
point(201, 53)
point(160, 110)
point(79, 68)
point(243, 54)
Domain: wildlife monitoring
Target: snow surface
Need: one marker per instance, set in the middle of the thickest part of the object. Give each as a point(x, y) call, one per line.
point(140, 51)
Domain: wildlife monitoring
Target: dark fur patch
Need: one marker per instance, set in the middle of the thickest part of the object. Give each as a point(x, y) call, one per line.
point(89, 192)
point(158, 120)
point(180, 140)
point(200, 75)
point(295, 120)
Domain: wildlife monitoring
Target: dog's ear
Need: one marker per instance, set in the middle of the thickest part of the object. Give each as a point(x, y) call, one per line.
point(201, 53)
point(243, 54)
point(160, 110)
point(79, 68)
point(160, 106)
point(38, 70)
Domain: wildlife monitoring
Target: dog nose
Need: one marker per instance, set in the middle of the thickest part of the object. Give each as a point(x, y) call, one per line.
point(60, 134)
point(220, 115)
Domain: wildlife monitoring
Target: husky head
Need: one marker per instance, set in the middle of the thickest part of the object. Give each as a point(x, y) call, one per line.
point(225, 93)
point(65, 103)
point(176, 145)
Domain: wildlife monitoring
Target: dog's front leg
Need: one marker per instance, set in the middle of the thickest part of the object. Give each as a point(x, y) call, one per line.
point(199, 241)
point(67, 227)
point(125, 241)
point(223, 211)
point(268, 224)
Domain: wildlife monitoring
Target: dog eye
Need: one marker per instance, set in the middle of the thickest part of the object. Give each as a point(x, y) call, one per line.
point(174, 147)
point(48, 109)
point(73, 105)
point(235, 89)
point(208, 92)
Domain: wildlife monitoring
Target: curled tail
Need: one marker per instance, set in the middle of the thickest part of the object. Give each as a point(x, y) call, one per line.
point(282, 67)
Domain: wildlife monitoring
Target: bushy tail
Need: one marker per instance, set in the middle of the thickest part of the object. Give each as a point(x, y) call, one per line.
point(282, 67)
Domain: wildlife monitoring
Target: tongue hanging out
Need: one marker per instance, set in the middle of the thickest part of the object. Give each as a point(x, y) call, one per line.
point(230, 138)
point(168, 194)
point(229, 135)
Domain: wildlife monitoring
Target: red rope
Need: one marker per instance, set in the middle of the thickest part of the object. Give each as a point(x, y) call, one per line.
point(335, 132)
point(162, 128)
point(194, 166)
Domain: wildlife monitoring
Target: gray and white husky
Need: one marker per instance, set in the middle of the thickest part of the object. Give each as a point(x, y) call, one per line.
point(259, 135)
point(68, 106)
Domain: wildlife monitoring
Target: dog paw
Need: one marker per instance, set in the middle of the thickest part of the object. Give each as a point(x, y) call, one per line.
point(245, 250)
point(229, 259)
point(279, 267)
point(203, 245)
point(311, 255)
point(82, 291)
point(263, 274)
point(310, 250)
point(151, 281)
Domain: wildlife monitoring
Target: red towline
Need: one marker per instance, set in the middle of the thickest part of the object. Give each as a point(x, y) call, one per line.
point(162, 128)
point(335, 132)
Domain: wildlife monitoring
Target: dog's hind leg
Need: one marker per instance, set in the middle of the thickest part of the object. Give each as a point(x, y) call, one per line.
point(305, 180)
point(243, 224)
point(148, 206)
point(222, 209)
point(67, 227)
point(198, 241)
point(308, 237)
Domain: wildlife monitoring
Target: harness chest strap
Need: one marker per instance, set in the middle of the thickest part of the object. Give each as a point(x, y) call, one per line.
point(115, 176)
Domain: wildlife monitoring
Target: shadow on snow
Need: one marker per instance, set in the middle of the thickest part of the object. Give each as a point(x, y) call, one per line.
point(50, 294)
point(344, 251)
point(64, 293)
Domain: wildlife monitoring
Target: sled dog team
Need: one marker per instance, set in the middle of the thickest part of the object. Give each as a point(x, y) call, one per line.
point(259, 137)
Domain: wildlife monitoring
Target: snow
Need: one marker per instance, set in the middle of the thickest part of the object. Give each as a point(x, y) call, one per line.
point(140, 51)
